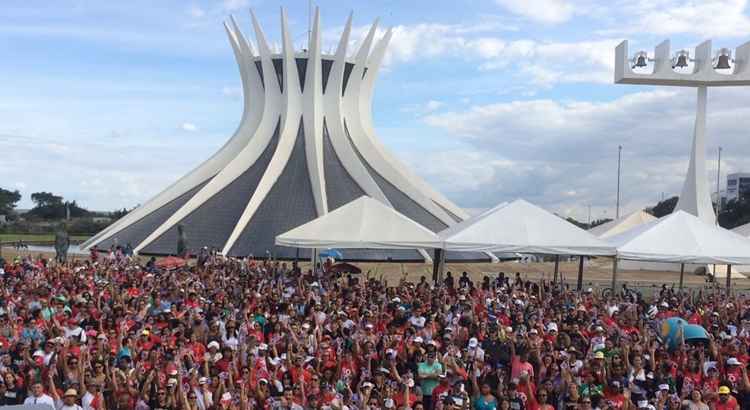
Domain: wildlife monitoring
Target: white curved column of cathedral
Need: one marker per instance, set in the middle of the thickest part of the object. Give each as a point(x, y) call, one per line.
point(251, 115)
point(255, 144)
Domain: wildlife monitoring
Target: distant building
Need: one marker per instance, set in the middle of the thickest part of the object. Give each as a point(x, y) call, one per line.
point(738, 186)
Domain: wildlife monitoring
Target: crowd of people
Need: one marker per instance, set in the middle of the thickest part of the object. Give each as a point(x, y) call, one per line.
point(109, 333)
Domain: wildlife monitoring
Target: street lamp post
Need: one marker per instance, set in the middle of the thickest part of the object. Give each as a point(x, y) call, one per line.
point(619, 161)
point(718, 187)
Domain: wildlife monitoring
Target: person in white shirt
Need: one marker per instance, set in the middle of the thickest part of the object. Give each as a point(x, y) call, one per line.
point(68, 401)
point(37, 396)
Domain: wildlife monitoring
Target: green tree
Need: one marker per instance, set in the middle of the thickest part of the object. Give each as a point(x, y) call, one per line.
point(8, 200)
point(598, 222)
point(118, 213)
point(735, 213)
point(50, 207)
point(46, 200)
point(575, 222)
point(664, 207)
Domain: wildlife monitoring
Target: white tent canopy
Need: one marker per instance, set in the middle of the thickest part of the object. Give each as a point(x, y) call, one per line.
point(623, 224)
point(524, 228)
point(363, 223)
point(683, 238)
point(743, 230)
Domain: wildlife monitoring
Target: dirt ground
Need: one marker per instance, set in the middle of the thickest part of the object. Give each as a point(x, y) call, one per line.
point(597, 272)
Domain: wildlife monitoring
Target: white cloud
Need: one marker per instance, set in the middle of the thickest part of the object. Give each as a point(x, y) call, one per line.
point(426, 108)
point(543, 63)
point(232, 92)
point(233, 5)
point(196, 12)
point(189, 127)
point(551, 63)
point(706, 18)
point(563, 155)
point(543, 11)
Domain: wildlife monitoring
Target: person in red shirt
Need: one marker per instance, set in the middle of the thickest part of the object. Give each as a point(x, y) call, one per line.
point(614, 395)
point(726, 401)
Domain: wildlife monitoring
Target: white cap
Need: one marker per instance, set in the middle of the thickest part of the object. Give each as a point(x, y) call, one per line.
point(664, 387)
point(732, 361)
point(396, 300)
point(552, 327)
point(418, 339)
point(214, 344)
point(473, 343)
point(533, 332)
point(203, 380)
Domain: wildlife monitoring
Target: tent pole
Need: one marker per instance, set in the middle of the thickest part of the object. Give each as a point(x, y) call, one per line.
point(441, 268)
point(579, 284)
point(614, 276)
point(557, 269)
point(682, 275)
point(436, 264)
point(312, 259)
point(729, 279)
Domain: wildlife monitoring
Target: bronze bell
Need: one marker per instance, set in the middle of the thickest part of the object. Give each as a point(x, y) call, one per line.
point(682, 61)
point(722, 62)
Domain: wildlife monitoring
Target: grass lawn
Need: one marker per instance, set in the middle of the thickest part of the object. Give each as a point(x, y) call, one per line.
point(12, 237)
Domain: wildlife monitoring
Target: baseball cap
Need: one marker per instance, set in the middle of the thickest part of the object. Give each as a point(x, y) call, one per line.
point(723, 390)
point(71, 392)
point(473, 343)
point(732, 361)
point(599, 355)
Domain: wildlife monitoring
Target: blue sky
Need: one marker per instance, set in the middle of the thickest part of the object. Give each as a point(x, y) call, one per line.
point(109, 102)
